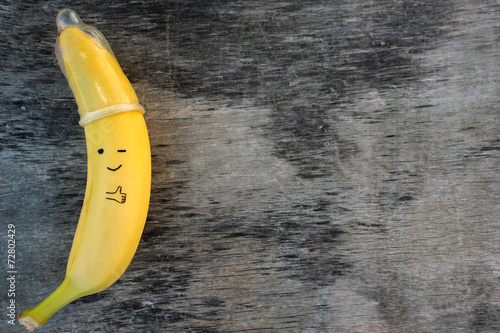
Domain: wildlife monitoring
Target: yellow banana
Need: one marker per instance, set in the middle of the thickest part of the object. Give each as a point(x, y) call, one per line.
point(119, 167)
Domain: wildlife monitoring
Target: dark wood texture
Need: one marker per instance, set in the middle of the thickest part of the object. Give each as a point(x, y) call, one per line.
point(318, 166)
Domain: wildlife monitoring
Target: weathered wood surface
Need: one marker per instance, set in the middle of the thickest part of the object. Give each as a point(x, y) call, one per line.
point(318, 166)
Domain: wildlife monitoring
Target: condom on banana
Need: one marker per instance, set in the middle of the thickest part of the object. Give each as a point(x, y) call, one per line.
point(118, 186)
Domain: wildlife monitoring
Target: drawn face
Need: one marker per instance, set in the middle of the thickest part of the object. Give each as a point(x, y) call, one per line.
point(101, 151)
point(111, 145)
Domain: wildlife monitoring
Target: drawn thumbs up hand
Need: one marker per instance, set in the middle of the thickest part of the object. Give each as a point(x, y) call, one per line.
point(117, 195)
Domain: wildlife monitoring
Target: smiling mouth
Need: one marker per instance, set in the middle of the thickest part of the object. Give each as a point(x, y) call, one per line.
point(115, 168)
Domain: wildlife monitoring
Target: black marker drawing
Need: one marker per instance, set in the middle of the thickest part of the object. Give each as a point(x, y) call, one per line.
point(118, 167)
point(117, 195)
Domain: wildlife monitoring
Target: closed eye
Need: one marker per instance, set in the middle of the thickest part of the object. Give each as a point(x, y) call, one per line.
point(121, 150)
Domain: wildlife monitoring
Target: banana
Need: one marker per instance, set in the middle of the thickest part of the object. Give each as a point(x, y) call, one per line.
point(118, 186)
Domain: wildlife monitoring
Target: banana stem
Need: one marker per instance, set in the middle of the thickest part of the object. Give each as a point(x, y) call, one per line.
point(63, 295)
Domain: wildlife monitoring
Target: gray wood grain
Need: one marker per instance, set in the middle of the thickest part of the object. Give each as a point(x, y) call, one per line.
point(318, 166)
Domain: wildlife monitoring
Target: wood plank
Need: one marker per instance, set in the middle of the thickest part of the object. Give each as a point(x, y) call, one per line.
point(318, 166)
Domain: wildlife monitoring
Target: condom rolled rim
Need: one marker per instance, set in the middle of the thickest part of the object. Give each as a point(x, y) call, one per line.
point(109, 111)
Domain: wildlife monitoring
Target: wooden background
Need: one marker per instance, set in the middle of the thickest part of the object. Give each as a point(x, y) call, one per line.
point(318, 166)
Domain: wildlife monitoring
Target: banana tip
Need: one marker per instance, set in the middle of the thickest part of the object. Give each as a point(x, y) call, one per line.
point(29, 322)
point(67, 18)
